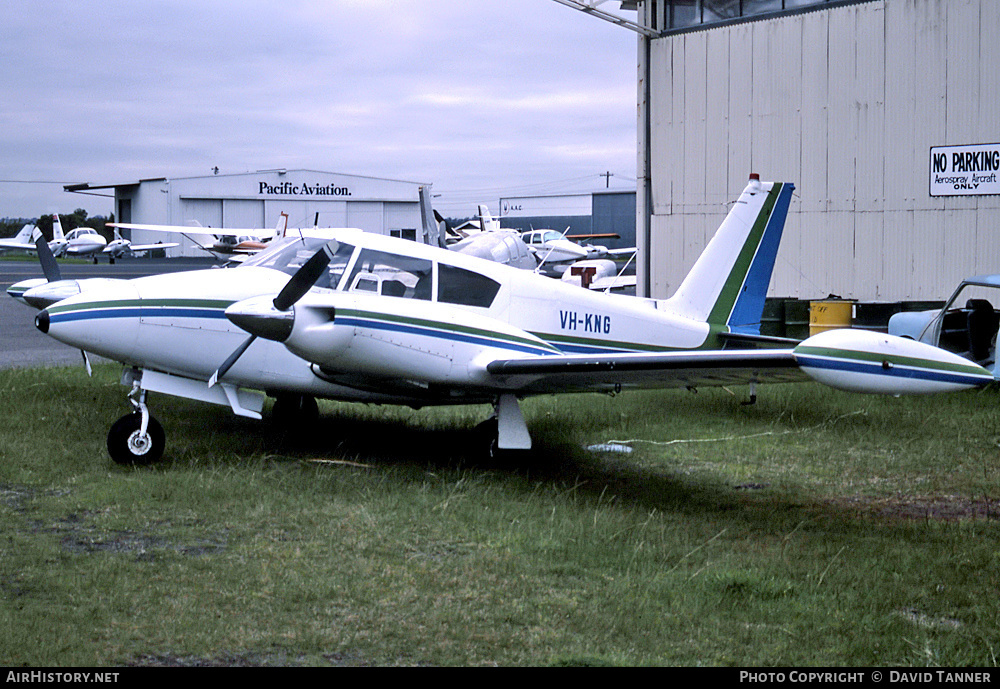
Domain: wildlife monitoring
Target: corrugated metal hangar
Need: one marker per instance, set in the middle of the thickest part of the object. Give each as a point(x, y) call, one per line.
point(882, 112)
point(256, 200)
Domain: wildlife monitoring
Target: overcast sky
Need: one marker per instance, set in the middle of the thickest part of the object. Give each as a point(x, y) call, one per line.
point(481, 98)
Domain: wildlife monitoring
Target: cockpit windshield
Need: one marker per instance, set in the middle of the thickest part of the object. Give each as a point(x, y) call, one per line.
point(291, 253)
point(381, 272)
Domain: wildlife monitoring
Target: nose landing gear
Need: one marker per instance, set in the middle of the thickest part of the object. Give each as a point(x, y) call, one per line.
point(136, 438)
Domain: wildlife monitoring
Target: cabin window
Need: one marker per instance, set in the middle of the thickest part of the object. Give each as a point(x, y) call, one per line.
point(392, 275)
point(465, 287)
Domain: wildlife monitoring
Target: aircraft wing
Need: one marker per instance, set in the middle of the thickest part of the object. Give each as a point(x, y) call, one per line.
point(194, 229)
point(10, 244)
point(198, 235)
point(600, 235)
point(583, 372)
point(148, 247)
point(613, 282)
point(626, 251)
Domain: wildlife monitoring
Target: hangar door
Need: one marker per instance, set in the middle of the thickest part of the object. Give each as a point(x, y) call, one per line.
point(206, 212)
point(243, 214)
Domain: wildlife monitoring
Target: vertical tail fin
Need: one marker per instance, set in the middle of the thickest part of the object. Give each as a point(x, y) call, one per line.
point(57, 231)
point(486, 221)
point(728, 283)
point(24, 236)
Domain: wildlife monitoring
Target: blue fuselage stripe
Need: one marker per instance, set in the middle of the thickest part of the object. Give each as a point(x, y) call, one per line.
point(137, 312)
point(441, 334)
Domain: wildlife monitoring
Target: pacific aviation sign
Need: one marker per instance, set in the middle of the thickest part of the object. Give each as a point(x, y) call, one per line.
point(972, 170)
point(305, 189)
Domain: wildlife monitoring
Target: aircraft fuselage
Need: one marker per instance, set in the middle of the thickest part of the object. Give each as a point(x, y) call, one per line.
point(373, 346)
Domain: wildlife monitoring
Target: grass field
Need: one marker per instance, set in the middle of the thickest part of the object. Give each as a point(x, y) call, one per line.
point(813, 528)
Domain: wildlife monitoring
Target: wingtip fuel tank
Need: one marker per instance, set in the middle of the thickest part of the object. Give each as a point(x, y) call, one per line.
point(872, 362)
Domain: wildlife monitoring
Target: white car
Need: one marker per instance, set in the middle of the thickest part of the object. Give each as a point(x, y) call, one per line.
point(966, 325)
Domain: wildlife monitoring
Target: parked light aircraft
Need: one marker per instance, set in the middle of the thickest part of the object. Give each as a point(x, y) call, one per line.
point(23, 240)
point(489, 241)
point(556, 252)
point(543, 251)
point(83, 241)
point(220, 241)
point(120, 247)
point(366, 318)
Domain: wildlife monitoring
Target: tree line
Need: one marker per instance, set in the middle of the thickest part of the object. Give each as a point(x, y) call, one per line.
point(69, 221)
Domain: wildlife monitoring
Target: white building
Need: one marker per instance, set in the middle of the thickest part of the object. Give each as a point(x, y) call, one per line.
point(256, 200)
point(884, 113)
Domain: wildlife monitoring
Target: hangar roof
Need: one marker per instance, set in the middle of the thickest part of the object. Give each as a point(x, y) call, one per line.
point(85, 187)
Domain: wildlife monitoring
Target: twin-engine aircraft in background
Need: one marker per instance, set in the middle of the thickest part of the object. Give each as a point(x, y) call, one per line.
point(83, 241)
point(544, 251)
point(361, 317)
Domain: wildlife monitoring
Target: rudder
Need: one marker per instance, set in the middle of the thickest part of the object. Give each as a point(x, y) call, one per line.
point(728, 283)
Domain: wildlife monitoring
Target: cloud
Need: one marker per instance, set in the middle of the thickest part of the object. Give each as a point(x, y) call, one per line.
point(462, 94)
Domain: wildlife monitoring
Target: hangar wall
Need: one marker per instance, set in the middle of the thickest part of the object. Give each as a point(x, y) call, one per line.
point(846, 102)
point(255, 200)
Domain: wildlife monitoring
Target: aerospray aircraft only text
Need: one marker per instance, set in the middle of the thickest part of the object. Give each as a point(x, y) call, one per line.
point(363, 317)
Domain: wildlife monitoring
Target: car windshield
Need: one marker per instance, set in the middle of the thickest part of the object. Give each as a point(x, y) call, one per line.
point(291, 253)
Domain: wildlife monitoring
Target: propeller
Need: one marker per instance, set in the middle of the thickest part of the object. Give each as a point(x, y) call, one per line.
point(296, 287)
point(52, 273)
point(49, 266)
point(305, 277)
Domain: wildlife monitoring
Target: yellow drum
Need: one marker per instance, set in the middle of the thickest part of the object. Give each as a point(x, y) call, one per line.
point(830, 315)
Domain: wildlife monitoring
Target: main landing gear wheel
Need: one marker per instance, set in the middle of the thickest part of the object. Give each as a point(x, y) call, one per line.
point(291, 410)
point(487, 438)
point(128, 445)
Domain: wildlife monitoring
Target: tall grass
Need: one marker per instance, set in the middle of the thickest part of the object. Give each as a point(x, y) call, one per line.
point(813, 528)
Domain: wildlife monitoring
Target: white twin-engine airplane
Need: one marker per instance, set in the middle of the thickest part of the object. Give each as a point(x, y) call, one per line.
point(366, 318)
point(82, 241)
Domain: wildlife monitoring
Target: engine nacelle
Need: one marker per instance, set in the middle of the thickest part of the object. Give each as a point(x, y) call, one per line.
point(410, 339)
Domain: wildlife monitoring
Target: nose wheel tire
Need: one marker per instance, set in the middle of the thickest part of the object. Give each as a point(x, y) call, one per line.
point(129, 446)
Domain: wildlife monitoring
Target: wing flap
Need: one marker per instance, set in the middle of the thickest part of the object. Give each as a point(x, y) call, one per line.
point(563, 373)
